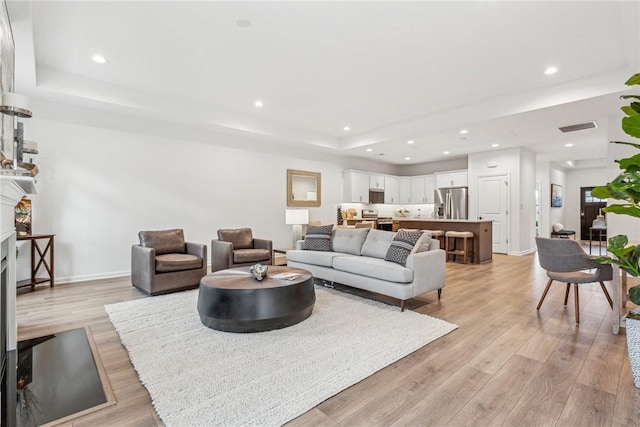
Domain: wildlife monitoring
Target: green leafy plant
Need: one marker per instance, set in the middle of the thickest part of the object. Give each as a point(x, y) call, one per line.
point(625, 188)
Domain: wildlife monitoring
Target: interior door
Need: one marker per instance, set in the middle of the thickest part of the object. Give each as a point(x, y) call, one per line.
point(493, 204)
point(589, 208)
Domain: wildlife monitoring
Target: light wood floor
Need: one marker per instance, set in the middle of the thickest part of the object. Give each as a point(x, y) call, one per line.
point(506, 364)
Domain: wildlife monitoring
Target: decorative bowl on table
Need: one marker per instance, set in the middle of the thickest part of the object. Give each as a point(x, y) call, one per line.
point(258, 271)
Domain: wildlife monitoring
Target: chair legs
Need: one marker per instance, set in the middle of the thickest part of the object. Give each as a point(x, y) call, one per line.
point(575, 291)
point(544, 294)
point(576, 297)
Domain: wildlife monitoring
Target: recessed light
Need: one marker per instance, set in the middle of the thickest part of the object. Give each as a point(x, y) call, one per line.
point(551, 70)
point(411, 141)
point(346, 128)
point(258, 103)
point(568, 145)
point(446, 152)
point(244, 23)
point(369, 150)
point(98, 59)
point(464, 132)
point(495, 145)
point(407, 158)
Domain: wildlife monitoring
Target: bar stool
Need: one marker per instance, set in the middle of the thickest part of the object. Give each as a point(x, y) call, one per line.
point(452, 248)
point(437, 234)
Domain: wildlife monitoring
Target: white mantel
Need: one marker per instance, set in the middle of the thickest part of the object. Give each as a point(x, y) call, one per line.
point(12, 190)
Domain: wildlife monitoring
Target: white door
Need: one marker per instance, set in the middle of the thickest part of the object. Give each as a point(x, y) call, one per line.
point(493, 204)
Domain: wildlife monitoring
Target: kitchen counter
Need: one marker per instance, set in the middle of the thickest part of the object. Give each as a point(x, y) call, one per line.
point(482, 230)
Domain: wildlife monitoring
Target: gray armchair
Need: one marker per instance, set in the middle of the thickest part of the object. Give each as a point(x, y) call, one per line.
point(565, 261)
point(238, 248)
point(163, 262)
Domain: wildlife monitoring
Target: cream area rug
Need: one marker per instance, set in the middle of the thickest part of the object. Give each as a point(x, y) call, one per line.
point(198, 376)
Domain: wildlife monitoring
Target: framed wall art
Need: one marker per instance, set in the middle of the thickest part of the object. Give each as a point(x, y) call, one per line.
point(556, 196)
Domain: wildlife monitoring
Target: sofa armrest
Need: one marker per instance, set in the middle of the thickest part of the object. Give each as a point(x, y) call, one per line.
point(221, 255)
point(143, 266)
point(428, 270)
point(197, 249)
point(263, 244)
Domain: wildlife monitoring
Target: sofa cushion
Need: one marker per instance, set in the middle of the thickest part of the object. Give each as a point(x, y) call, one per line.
point(349, 240)
point(423, 243)
point(177, 262)
point(242, 238)
point(318, 238)
point(373, 267)
point(402, 245)
point(243, 256)
point(163, 241)
point(377, 243)
point(321, 258)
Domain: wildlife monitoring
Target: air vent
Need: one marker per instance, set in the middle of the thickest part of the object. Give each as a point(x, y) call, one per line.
point(581, 126)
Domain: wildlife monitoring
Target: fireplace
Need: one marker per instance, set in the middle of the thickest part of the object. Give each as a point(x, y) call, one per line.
point(12, 189)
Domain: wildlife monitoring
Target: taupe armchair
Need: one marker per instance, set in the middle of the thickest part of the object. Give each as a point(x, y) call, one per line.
point(238, 248)
point(163, 262)
point(565, 261)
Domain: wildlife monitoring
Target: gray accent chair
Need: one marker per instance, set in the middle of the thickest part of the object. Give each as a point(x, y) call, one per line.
point(238, 248)
point(163, 262)
point(566, 261)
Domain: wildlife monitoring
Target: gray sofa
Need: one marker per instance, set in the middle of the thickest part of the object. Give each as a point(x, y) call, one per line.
point(357, 260)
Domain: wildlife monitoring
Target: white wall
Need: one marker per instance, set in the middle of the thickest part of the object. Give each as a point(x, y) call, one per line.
point(98, 187)
point(519, 165)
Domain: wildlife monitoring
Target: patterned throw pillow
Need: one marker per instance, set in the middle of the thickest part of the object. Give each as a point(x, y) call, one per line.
point(318, 238)
point(402, 245)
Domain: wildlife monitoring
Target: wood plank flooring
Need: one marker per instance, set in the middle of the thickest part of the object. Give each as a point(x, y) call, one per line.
point(507, 364)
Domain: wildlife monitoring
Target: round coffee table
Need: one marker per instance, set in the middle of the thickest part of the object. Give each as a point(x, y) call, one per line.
point(231, 301)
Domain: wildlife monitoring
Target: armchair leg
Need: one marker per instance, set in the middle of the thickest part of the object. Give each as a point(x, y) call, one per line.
point(544, 294)
point(606, 293)
point(439, 293)
point(566, 294)
point(575, 291)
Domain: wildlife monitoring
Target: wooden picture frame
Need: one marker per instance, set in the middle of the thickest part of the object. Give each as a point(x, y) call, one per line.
point(304, 188)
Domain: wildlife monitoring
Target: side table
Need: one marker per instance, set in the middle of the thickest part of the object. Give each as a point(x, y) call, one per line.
point(278, 259)
point(39, 259)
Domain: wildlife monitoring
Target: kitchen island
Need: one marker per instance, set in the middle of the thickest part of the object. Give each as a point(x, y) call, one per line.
point(482, 230)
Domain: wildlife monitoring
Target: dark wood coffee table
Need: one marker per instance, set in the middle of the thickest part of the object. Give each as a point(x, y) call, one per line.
point(231, 301)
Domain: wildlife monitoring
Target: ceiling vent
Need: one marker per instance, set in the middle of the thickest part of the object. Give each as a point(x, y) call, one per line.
point(580, 126)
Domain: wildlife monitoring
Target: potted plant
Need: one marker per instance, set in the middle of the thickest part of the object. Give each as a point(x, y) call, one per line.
point(626, 188)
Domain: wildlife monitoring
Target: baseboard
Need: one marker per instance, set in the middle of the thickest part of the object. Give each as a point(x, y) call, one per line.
point(101, 276)
point(523, 253)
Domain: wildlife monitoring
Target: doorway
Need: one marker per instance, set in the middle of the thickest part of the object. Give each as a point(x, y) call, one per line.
point(493, 204)
point(590, 208)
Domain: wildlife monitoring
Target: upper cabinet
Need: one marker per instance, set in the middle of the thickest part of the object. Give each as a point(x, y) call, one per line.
point(391, 189)
point(356, 186)
point(451, 179)
point(377, 181)
point(405, 189)
point(422, 189)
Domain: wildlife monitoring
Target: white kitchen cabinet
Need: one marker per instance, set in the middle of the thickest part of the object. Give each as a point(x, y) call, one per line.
point(422, 189)
point(417, 190)
point(377, 181)
point(391, 189)
point(405, 190)
point(356, 187)
point(429, 188)
point(452, 179)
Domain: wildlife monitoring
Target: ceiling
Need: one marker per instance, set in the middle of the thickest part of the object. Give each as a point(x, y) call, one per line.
point(391, 71)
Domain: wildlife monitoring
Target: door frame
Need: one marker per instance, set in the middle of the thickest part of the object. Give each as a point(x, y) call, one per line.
point(507, 176)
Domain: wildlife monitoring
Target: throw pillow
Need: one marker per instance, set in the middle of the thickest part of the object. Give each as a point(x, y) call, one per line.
point(402, 245)
point(318, 238)
point(558, 227)
point(423, 243)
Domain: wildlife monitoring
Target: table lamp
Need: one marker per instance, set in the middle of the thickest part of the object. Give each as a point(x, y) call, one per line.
point(295, 218)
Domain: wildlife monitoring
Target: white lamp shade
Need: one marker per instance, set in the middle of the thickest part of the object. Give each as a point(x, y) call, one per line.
point(296, 216)
point(14, 104)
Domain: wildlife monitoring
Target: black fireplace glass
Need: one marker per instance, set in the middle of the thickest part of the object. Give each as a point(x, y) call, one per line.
point(56, 377)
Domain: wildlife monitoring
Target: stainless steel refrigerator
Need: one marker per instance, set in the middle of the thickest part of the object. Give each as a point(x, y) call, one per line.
point(451, 203)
